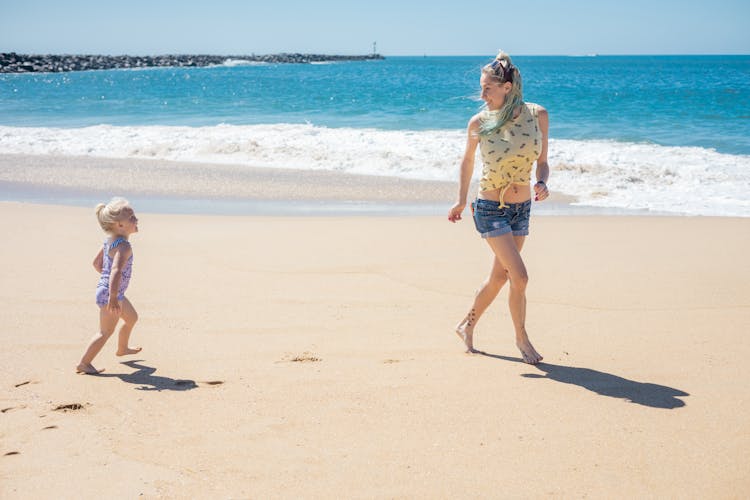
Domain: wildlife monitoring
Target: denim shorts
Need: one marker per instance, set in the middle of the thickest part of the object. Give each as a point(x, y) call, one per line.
point(491, 220)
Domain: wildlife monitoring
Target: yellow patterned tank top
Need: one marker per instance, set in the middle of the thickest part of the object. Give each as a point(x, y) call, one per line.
point(509, 153)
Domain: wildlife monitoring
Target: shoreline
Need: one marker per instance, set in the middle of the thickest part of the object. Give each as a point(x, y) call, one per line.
point(164, 186)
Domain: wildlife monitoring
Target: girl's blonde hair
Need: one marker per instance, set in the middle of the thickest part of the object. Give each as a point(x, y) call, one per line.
point(502, 70)
point(116, 210)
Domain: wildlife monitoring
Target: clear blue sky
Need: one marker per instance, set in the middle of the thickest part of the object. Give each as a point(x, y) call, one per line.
point(400, 27)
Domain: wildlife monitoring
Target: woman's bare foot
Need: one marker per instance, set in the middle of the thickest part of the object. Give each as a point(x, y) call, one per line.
point(528, 352)
point(465, 331)
point(88, 369)
point(129, 350)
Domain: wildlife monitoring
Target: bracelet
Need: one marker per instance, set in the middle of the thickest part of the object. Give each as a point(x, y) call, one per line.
point(542, 182)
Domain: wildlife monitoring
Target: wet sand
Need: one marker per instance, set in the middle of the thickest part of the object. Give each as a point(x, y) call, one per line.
point(187, 187)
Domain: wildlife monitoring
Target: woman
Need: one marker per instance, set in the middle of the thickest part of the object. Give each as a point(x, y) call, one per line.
point(511, 135)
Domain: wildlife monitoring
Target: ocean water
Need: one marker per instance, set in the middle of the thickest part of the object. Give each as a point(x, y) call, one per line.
point(665, 134)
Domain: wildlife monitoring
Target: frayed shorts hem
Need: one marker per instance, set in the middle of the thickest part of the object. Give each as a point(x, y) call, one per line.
point(499, 232)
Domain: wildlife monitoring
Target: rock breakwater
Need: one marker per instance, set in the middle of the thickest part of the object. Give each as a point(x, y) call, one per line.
point(10, 62)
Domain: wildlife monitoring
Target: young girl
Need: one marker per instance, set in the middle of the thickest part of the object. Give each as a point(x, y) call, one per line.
point(114, 262)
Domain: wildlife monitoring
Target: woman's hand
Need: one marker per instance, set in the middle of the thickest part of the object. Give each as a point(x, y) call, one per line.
point(454, 214)
point(540, 191)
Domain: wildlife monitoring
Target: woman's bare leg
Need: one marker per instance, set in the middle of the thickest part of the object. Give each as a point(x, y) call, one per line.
point(487, 292)
point(506, 249)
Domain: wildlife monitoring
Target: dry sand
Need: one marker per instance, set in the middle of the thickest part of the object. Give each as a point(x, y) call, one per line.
point(302, 357)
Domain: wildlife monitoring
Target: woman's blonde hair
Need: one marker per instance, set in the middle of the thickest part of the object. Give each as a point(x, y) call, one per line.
point(502, 70)
point(116, 210)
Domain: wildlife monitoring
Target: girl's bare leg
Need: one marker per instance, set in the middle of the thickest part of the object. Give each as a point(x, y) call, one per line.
point(107, 324)
point(506, 250)
point(129, 317)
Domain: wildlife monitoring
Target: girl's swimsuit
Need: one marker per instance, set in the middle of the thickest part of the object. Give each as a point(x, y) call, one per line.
point(509, 152)
point(102, 289)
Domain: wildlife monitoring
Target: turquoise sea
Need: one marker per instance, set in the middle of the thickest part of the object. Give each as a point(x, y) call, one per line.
point(659, 133)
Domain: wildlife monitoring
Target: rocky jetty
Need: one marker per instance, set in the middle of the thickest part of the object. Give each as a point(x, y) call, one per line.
point(10, 62)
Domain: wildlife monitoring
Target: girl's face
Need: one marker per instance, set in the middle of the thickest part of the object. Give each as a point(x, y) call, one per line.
point(128, 224)
point(494, 93)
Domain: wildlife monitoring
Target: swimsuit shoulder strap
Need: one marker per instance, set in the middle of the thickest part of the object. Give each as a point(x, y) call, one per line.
point(117, 241)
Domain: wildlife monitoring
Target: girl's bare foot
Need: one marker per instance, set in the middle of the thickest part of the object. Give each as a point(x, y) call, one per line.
point(465, 331)
point(88, 369)
point(528, 352)
point(129, 350)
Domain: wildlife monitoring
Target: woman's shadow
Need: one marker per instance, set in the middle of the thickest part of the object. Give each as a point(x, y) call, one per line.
point(606, 384)
point(145, 378)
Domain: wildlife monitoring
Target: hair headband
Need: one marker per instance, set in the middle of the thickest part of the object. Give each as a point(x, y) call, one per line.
point(506, 73)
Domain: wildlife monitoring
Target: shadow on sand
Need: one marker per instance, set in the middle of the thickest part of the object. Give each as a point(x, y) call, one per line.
point(147, 381)
point(606, 384)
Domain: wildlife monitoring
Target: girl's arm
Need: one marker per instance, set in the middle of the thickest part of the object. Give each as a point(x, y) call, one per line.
point(467, 169)
point(99, 260)
point(122, 253)
point(542, 167)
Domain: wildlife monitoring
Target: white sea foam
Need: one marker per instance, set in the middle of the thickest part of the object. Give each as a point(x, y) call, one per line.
point(683, 180)
point(243, 62)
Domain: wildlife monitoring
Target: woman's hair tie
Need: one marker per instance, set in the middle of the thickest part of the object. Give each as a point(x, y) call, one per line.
point(502, 71)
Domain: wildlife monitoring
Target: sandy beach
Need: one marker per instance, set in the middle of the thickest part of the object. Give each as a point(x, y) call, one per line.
point(314, 357)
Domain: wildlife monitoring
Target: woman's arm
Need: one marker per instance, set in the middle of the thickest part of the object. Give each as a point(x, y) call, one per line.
point(542, 167)
point(467, 169)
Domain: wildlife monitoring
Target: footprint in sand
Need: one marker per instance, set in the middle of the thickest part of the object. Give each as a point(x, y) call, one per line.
point(305, 357)
point(12, 453)
point(50, 427)
point(69, 407)
point(191, 383)
point(23, 383)
point(389, 361)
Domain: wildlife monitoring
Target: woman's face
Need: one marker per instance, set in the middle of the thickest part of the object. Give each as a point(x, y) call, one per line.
point(494, 93)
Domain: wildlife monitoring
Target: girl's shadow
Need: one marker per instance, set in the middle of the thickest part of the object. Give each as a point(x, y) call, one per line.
point(147, 381)
point(606, 384)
